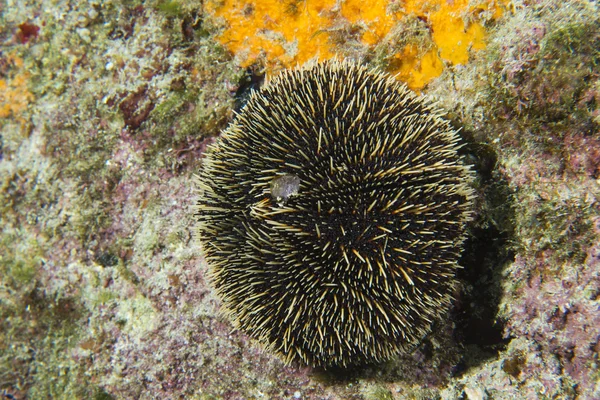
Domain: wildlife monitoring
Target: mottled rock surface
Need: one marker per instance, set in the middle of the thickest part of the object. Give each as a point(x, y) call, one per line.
point(105, 109)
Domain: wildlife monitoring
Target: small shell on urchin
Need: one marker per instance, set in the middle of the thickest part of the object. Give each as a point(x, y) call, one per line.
point(332, 214)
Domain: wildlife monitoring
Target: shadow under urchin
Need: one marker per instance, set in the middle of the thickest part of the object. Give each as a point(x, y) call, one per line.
point(332, 214)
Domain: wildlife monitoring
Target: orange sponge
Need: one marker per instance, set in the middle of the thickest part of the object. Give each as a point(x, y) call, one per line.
point(285, 33)
point(14, 95)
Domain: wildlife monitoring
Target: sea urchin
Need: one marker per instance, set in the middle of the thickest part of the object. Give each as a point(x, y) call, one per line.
point(332, 213)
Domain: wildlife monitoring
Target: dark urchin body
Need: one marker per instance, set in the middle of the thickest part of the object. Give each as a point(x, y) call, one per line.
point(356, 265)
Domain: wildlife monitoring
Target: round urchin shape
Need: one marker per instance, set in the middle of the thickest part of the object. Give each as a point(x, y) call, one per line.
point(332, 213)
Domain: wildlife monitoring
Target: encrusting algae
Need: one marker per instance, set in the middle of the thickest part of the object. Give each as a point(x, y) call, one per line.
point(287, 33)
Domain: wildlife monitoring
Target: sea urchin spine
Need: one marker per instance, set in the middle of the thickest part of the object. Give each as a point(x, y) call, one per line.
point(332, 213)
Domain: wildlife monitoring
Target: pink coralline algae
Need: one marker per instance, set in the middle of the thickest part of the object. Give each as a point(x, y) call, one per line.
point(559, 311)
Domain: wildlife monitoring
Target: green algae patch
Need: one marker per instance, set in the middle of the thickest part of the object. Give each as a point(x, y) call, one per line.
point(38, 335)
point(549, 89)
point(170, 8)
point(19, 260)
point(104, 297)
point(22, 272)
